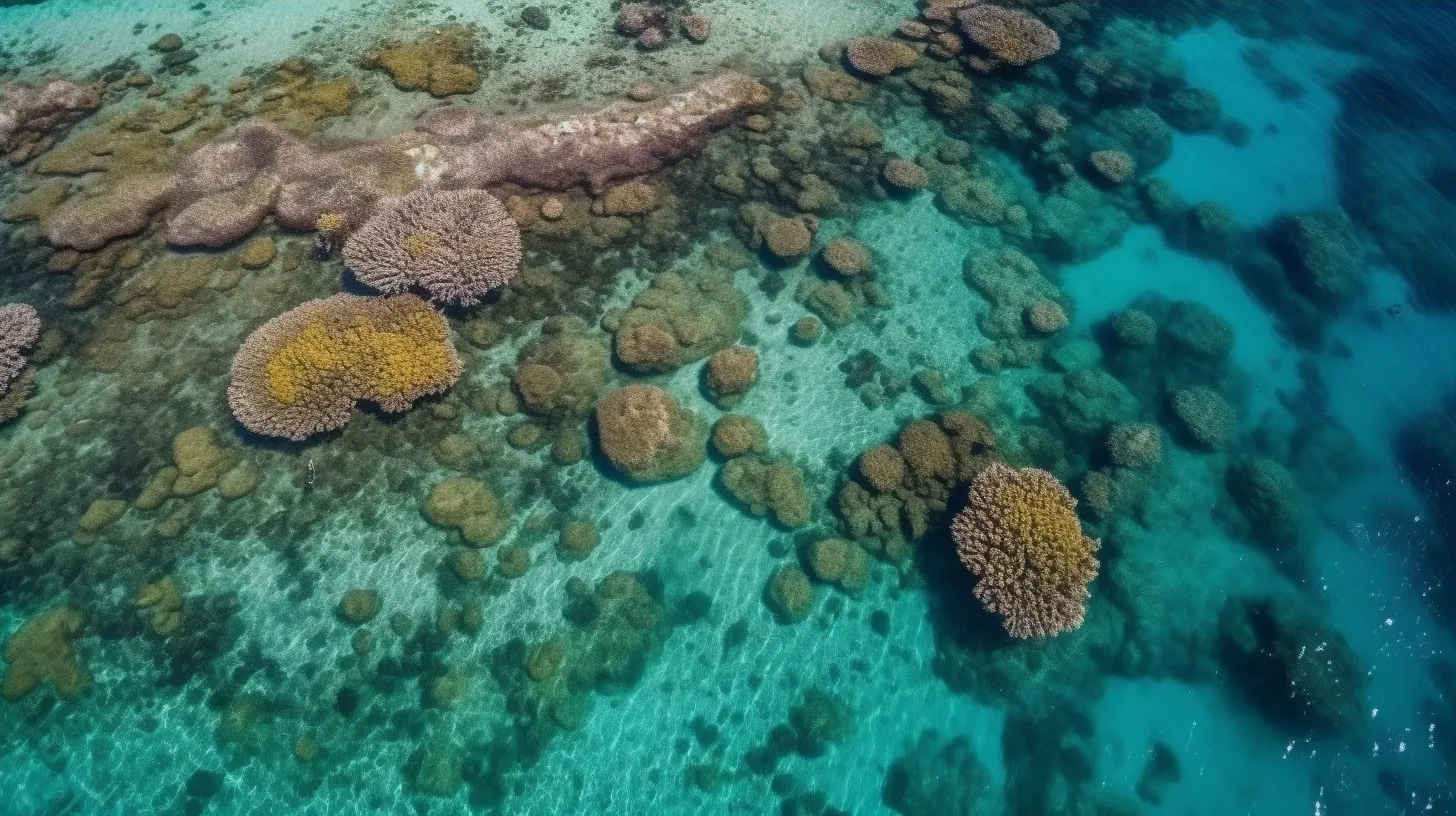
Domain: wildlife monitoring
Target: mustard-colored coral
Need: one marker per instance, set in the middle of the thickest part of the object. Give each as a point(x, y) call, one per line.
point(1019, 533)
point(300, 373)
point(438, 62)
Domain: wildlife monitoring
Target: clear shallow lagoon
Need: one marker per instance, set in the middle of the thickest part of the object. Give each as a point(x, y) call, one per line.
point(516, 596)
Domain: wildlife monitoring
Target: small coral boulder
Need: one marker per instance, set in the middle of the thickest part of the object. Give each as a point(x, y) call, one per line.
point(648, 435)
point(40, 652)
point(469, 506)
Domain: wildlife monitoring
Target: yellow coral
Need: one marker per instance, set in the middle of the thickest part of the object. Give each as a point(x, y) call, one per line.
point(418, 243)
point(329, 222)
point(1020, 535)
point(386, 362)
point(302, 371)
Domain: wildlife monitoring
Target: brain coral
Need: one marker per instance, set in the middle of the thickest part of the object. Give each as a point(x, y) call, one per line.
point(1007, 36)
point(730, 373)
point(1020, 535)
point(906, 175)
point(1206, 416)
point(738, 435)
point(456, 245)
point(879, 56)
point(300, 373)
point(648, 435)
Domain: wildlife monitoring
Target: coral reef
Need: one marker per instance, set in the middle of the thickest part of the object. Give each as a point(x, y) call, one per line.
point(839, 562)
point(1005, 36)
point(1019, 534)
point(768, 486)
point(1135, 445)
point(359, 606)
point(438, 62)
point(738, 435)
point(577, 541)
point(41, 652)
point(819, 719)
point(1205, 417)
point(731, 372)
point(455, 245)
point(562, 373)
point(905, 175)
point(30, 116)
point(224, 190)
point(1113, 166)
point(892, 503)
point(469, 506)
point(677, 320)
point(789, 594)
point(879, 56)
point(648, 435)
point(300, 373)
point(1322, 255)
point(847, 256)
point(1268, 496)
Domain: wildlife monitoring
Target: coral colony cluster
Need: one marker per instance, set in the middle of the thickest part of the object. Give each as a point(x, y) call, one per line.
point(466, 333)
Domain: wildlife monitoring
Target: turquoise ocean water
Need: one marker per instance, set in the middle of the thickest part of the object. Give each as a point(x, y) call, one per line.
point(1192, 260)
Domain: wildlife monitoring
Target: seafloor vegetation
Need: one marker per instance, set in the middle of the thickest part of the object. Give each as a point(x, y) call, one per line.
point(724, 435)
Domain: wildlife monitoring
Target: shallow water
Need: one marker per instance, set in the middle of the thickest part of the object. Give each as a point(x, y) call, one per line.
point(406, 610)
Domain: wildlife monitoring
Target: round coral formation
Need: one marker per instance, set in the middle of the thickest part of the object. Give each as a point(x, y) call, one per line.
point(880, 56)
point(1113, 166)
point(300, 373)
point(577, 541)
point(790, 595)
point(1135, 328)
point(906, 175)
point(787, 237)
point(836, 561)
point(1135, 445)
point(883, 468)
point(648, 435)
point(807, 330)
point(647, 348)
point(359, 605)
point(1007, 36)
point(1020, 535)
point(737, 435)
point(731, 372)
point(1046, 316)
point(1205, 416)
point(455, 245)
point(847, 256)
point(468, 505)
